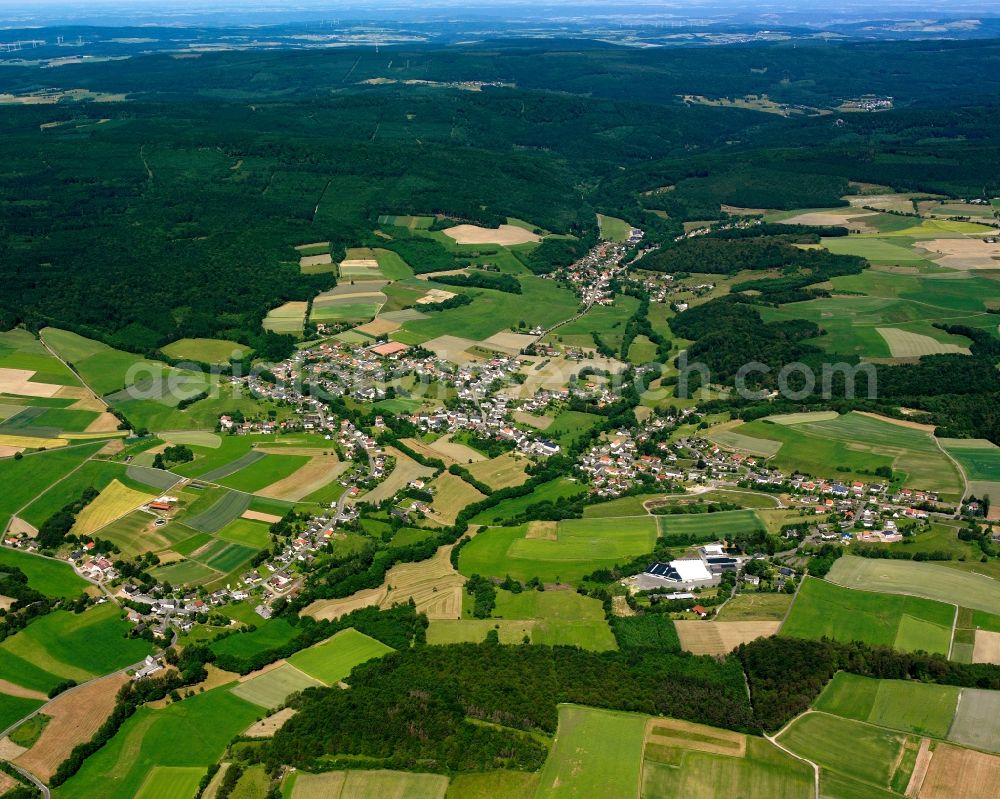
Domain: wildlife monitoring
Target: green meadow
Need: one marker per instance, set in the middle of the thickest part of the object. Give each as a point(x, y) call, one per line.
point(171, 782)
point(64, 645)
point(52, 577)
point(205, 350)
point(541, 303)
point(580, 547)
point(332, 660)
point(927, 580)
point(902, 622)
point(246, 532)
point(262, 473)
point(19, 349)
point(595, 753)
point(25, 479)
point(909, 301)
point(857, 752)
point(710, 526)
point(553, 618)
point(108, 370)
point(568, 426)
point(269, 634)
point(908, 706)
point(189, 734)
point(978, 462)
point(612, 228)
point(215, 510)
point(762, 772)
point(271, 688)
point(15, 708)
point(555, 490)
point(608, 321)
point(211, 455)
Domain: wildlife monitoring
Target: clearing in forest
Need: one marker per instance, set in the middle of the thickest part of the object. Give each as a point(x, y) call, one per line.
point(506, 235)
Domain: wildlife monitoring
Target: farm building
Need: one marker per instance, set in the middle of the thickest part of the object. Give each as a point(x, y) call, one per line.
point(389, 349)
point(689, 573)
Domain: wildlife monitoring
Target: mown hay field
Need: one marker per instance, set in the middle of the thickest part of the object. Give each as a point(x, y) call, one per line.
point(957, 772)
point(433, 585)
point(74, 718)
point(264, 472)
point(756, 607)
point(721, 637)
point(502, 472)
point(316, 473)
point(273, 686)
point(907, 344)
point(405, 471)
point(451, 495)
point(361, 784)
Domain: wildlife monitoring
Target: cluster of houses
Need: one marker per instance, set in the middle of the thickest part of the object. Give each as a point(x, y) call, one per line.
point(613, 466)
point(591, 276)
point(869, 511)
point(487, 420)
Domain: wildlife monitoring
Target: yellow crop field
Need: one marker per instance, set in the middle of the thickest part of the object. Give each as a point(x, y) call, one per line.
point(114, 502)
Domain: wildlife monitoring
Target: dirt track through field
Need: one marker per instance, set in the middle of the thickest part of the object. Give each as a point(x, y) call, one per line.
point(920, 768)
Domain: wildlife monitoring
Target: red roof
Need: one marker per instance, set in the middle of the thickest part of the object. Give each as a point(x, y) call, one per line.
point(699, 609)
point(390, 348)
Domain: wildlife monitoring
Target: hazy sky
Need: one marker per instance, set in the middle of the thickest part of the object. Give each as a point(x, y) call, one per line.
point(123, 11)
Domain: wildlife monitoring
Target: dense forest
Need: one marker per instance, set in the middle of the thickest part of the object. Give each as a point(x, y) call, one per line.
point(182, 218)
point(413, 704)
